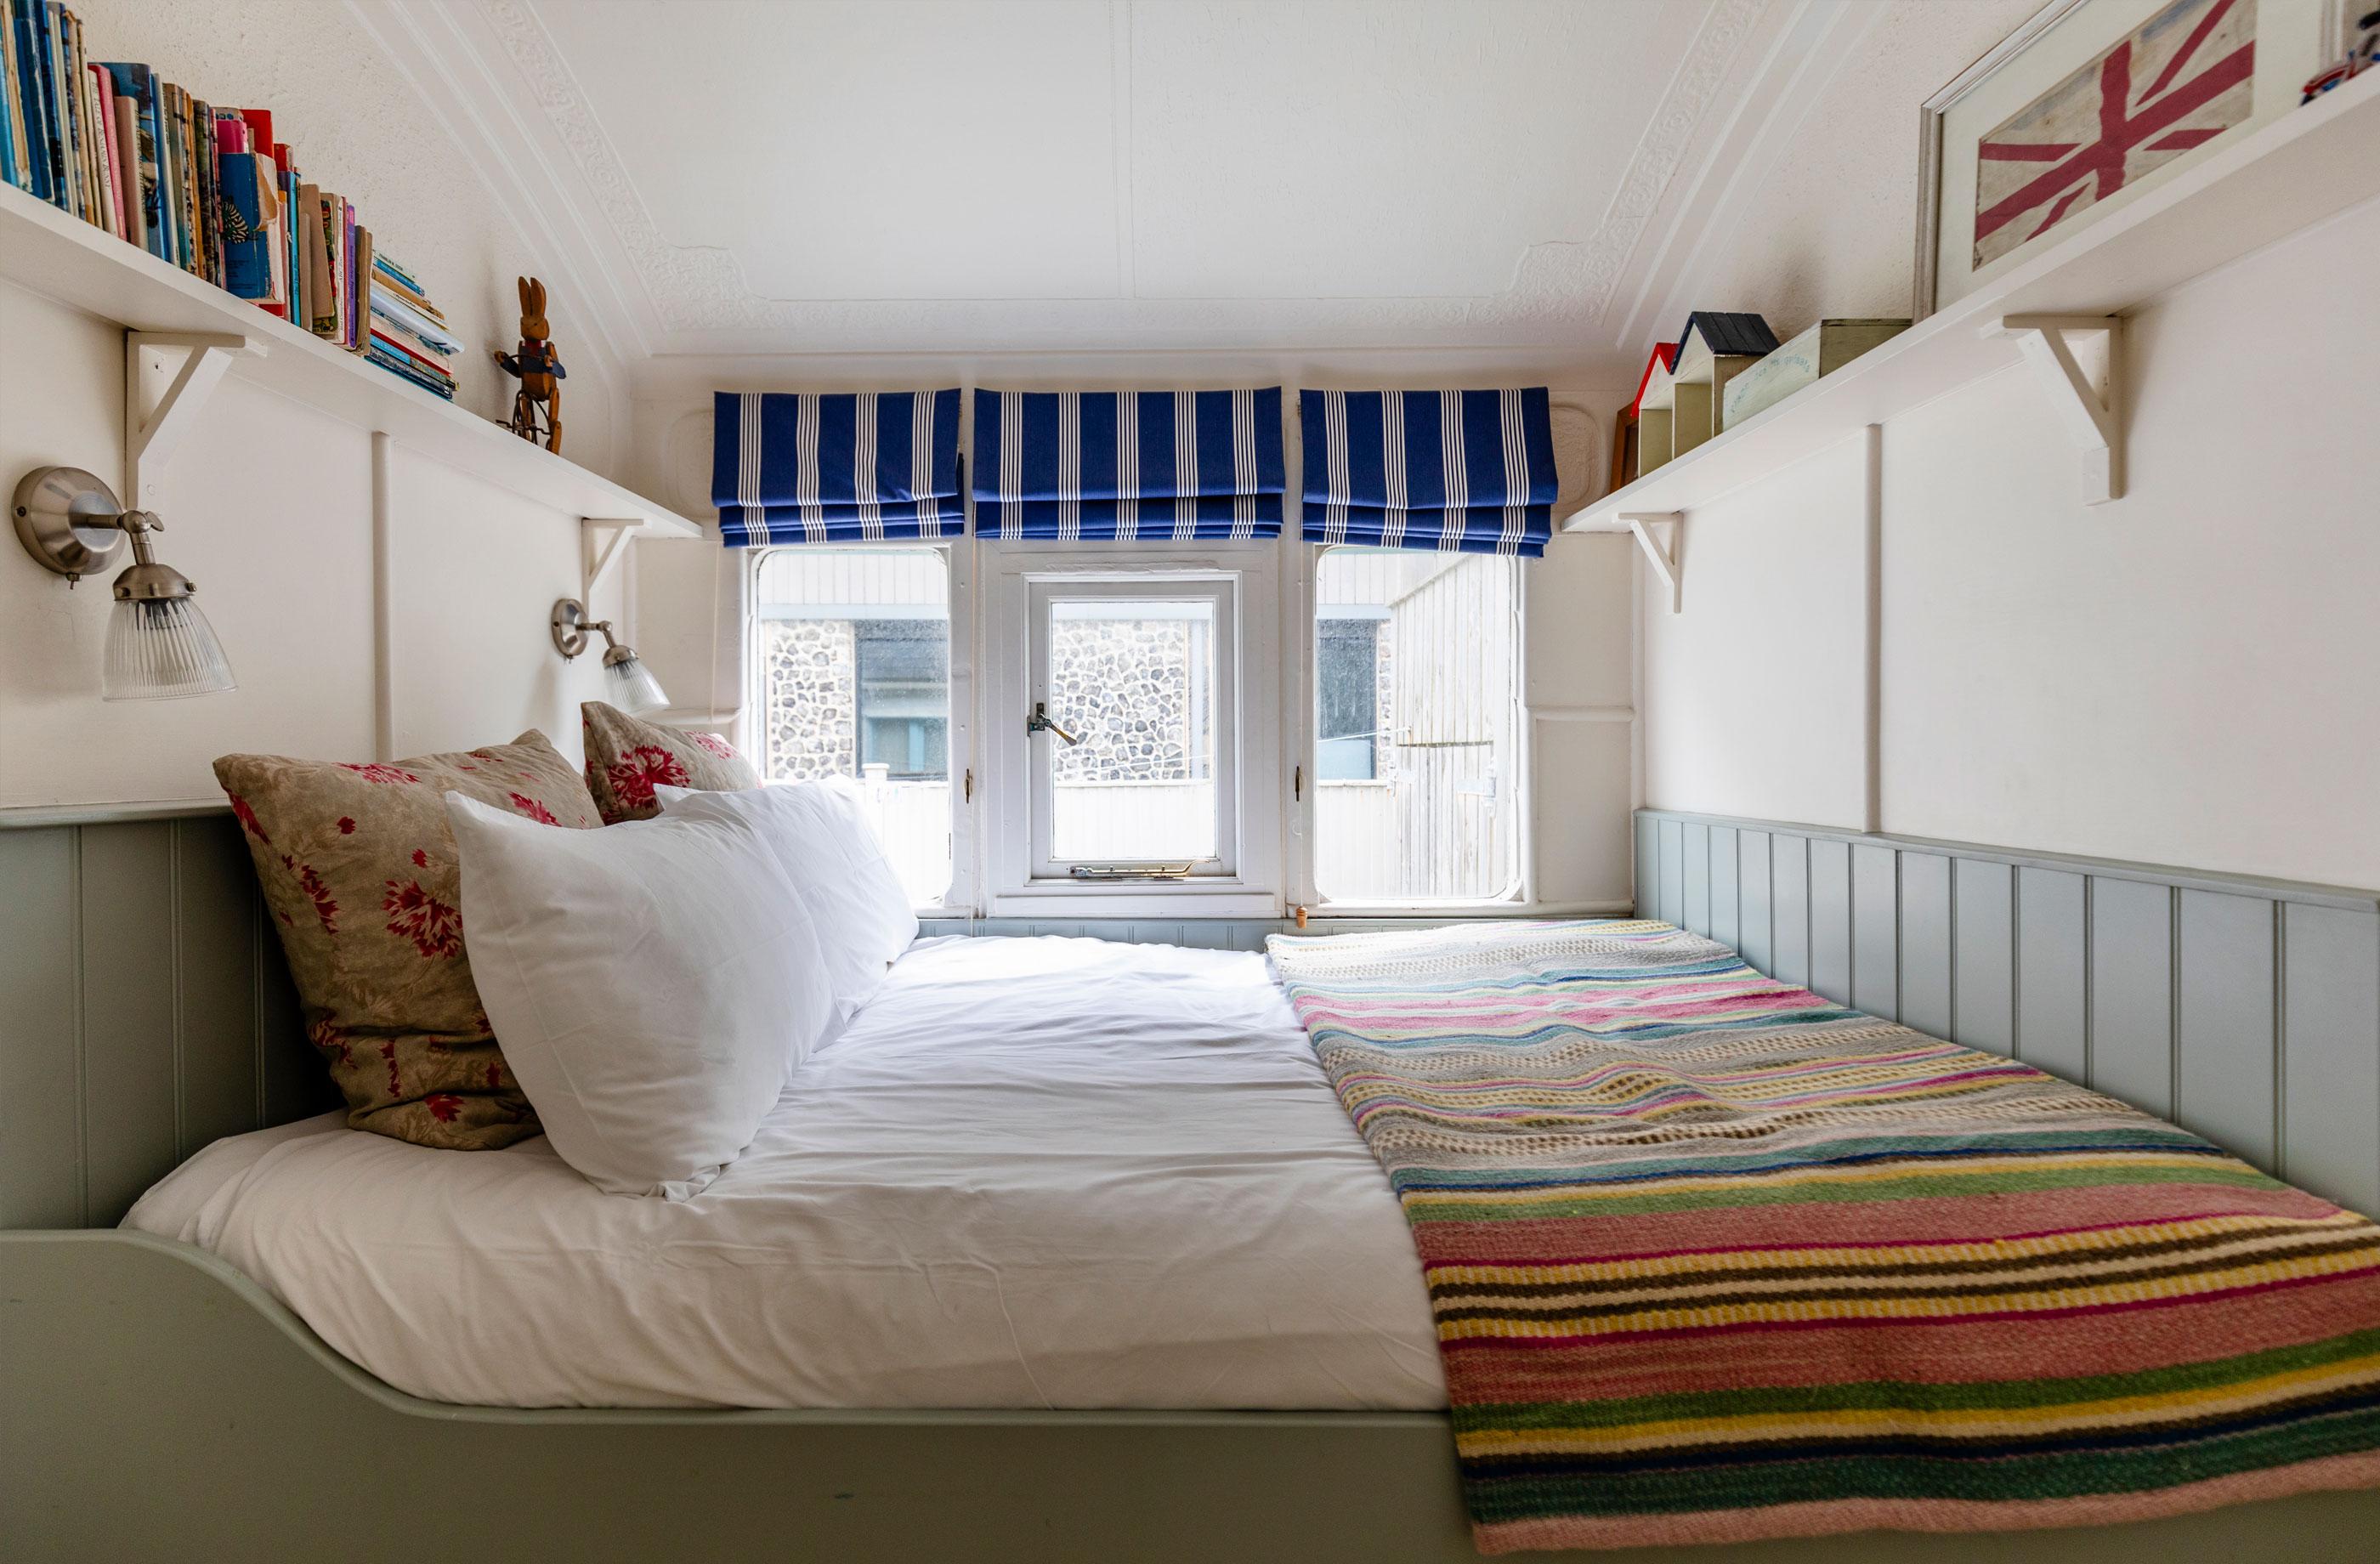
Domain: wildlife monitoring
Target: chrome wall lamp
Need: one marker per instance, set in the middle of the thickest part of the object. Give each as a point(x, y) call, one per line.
point(630, 684)
point(159, 645)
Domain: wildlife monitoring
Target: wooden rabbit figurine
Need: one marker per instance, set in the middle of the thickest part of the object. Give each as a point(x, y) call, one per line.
point(540, 370)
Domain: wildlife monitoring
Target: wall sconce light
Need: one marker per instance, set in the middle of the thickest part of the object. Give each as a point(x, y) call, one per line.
point(159, 645)
point(632, 686)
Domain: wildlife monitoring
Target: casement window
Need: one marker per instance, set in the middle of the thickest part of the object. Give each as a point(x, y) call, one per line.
point(1131, 730)
point(851, 656)
point(1416, 660)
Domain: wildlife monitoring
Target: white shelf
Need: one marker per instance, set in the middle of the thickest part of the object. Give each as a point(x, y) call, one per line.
point(2310, 165)
point(47, 253)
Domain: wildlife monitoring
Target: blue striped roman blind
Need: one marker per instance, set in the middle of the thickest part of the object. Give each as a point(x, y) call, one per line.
point(1152, 465)
point(835, 467)
point(1469, 470)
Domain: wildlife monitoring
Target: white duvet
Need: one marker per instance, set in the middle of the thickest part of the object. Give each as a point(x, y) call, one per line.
point(1030, 1173)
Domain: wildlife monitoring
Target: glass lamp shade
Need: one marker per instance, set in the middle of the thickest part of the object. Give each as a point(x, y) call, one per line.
point(160, 648)
point(634, 689)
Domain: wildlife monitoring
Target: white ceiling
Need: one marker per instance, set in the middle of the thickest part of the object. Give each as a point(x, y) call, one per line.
point(837, 176)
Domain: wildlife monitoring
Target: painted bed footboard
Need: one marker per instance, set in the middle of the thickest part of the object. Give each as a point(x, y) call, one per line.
point(156, 1404)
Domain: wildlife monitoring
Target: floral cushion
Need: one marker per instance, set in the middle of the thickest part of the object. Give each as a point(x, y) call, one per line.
point(626, 759)
point(358, 865)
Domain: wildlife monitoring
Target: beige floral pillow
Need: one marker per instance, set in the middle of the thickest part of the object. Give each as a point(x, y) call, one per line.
point(626, 759)
point(358, 865)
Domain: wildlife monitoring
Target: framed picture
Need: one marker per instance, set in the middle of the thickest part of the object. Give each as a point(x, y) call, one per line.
point(2087, 105)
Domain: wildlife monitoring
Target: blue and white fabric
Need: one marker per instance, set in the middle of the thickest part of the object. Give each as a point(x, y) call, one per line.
point(835, 467)
point(1467, 470)
point(1149, 466)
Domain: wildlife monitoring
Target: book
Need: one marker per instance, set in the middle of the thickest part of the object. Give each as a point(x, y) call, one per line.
point(320, 315)
point(104, 137)
point(393, 307)
point(135, 177)
point(394, 340)
point(249, 205)
point(136, 88)
point(31, 25)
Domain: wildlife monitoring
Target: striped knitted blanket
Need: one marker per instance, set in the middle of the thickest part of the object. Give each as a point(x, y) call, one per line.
point(1713, 1259)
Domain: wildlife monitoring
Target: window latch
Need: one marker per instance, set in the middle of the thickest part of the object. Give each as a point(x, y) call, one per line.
point(1040, 722)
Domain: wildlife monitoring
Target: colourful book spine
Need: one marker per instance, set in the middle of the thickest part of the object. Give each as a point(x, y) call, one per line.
point(32, 36)
point(86, 150)
point(10, 135)
point(68, 163)
point(247, 237)
point(103, 119)
point(132, 177)
point(136, 87)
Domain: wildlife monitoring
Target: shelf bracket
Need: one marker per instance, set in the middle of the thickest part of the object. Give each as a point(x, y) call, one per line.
point(2092, 414)
point(151, 433)
point(1661, 553)
point(604, 544)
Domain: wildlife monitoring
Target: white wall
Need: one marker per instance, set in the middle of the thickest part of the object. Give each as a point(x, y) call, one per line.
point(2190, 675)
point(267, 504)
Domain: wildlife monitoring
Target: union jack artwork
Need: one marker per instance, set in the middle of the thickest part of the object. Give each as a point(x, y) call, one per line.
point(2181, 80)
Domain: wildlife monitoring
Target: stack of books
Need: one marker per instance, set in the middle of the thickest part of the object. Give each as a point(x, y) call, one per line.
point(204, 189)
point(408, 336)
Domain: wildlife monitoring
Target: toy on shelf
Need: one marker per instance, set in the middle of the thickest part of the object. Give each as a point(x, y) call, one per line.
point(1627, 448)
point(537, 406)
point(1678, 407)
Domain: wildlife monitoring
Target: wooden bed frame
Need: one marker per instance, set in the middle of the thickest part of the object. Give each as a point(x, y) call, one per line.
point(156, 1403)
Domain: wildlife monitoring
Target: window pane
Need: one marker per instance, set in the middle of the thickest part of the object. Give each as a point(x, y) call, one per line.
point(855, 656)
point(1415, 661)
point(1135, 680)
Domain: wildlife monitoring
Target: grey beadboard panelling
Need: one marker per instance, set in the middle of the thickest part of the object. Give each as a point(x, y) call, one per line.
point(1875, 930)
point(1754, 883)
point(1983, 954)
point(2330, 1052)
point(1698, 898)
point(2247, 1010)
point(2225, 1031)
point(1673, 870)
point(1831, 920)
point(1924, 943)
point(1789, 907)
point(2053, 1016)
point(2133, 1052)
point(1726, 903)
point(1648, 865)
point(40, 1051)
point(147, 1010)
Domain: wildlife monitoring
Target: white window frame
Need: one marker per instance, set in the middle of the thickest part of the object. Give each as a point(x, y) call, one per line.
point(1249, 764)
point(1220, 591)
point(959, 565)
point(1519, 891)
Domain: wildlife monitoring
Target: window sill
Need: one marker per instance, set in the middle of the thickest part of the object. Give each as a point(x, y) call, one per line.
point(1217, 898)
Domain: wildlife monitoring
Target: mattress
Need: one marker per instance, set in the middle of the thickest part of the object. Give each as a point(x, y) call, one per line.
point(1031, 1173)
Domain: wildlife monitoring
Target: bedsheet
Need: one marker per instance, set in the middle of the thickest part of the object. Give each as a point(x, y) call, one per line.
point(1031, 1173)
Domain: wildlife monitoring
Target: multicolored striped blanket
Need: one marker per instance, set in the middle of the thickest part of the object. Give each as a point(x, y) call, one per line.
point(1713, 1259)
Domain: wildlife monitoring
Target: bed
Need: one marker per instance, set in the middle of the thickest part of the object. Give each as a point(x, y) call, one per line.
point(1174, 1313)
point(1121, 1183)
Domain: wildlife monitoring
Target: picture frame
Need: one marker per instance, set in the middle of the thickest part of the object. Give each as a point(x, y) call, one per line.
point(2042, 96)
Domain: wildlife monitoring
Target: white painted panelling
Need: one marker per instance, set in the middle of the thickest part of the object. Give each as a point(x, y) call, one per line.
point(2191, 674)
point(1752, 698)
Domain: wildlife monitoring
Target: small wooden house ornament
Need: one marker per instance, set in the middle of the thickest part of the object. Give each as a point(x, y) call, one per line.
point(1714, 348)
point(1627, 452)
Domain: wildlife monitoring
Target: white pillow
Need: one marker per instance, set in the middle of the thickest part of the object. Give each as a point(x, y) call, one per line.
point(653, 985)
point(819, 830)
